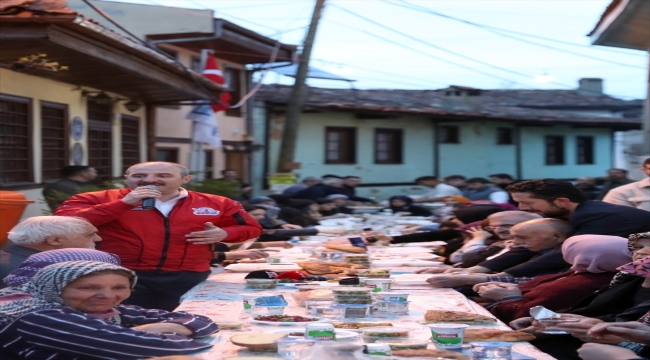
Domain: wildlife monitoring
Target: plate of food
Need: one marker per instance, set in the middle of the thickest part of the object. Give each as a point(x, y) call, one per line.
point(285, 320)
point(300, 333)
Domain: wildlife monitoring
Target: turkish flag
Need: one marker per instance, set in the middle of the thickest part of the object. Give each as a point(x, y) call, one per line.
point(213, 73)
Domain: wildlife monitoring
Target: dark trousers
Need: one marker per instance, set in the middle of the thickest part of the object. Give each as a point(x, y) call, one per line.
point(163, 289)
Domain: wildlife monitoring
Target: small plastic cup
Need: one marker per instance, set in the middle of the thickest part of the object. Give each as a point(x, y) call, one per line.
point(491, 350)
point(379, 285)
point(249, 301)
point(448, 336)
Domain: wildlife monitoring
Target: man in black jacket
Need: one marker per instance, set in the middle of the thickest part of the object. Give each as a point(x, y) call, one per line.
point(562, 200)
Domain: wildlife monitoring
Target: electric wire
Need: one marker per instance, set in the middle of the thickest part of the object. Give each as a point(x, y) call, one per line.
point(502, 32)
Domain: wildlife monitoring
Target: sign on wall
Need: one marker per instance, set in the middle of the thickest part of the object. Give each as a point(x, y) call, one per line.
point(77, 154)
point(77, 128)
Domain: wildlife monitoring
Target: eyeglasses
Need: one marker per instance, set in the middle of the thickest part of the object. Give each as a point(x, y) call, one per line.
point(494, 227)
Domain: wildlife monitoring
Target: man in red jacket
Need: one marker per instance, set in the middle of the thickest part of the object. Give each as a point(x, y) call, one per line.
point(170, 246)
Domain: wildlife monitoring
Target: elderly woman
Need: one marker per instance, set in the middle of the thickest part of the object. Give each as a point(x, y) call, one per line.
point(74, 312)
point(626, 298)
point(17, 279)
point(401, 203)
point(594, 259)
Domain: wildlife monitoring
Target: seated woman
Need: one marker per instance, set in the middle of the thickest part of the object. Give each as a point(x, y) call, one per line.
point(341, 201)
point(74, 312)
point(626, 298)
point(594, 259)
point(282, 232)
point(401, 203)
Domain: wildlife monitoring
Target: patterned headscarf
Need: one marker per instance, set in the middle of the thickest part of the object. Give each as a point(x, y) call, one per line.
point(595, 253)
point(640, 267)
point(632, 239)
point(46, 287)
point(36, 262)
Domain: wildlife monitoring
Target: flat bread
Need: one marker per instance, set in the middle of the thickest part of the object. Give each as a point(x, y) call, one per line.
point(444, 316)
point(346, 248)
point(328, 267)
point(472, 335)
point(430, 353)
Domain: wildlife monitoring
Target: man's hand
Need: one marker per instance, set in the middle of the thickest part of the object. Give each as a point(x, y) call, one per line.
point(605, 352)
point(496, 291)
point(159, 328)
point(246, 254)
point(290, 226)
point(436, 270)
point(212, 234)
point(136, 195)
point(448, 281)
point(632, 331)
point(521, 323)
point(478, 233)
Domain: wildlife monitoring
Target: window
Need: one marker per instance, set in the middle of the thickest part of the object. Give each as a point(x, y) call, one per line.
point(167, 154)
point(232, 77)
point(555, 150)
point(585, 150)
point(15, 140)
point(340, 145)
point(130, 141)
point(100, 139)
point(504, 136)
point(388, 146)
point(448, 135)
point(54, 138)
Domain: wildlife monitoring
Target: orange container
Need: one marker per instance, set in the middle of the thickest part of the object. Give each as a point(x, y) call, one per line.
point(12, 206)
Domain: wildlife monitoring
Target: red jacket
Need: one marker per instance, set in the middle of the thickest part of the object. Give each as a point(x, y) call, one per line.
point(146, 240)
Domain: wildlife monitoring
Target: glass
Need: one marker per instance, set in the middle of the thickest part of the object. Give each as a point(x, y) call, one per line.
point(551, 322)
point(290, 348)
point(491, 351)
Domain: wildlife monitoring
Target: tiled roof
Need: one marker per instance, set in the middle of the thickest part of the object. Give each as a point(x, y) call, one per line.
point(525, 105)
point(29, 8)
point(607, 11)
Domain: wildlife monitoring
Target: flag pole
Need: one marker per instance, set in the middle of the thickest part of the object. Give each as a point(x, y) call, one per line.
point(197, 156)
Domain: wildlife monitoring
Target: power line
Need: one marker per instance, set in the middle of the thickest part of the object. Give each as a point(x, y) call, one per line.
point(525, 34)
point(416, 50)
point(500, 32)
point(446, 50)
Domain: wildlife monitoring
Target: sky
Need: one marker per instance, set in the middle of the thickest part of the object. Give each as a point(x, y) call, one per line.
point(401, 48)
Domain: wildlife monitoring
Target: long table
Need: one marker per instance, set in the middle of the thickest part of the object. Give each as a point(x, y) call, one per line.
point(219, 299)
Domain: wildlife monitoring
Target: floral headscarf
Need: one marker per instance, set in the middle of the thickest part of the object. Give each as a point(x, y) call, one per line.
point(623, 276)
point(640, 267)
point(46, 287)
point(37, 261)
point(632, 239)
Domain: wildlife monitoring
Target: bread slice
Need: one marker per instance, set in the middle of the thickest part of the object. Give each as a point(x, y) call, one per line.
point(472, 335)
point(445, 316)
point(256, 340)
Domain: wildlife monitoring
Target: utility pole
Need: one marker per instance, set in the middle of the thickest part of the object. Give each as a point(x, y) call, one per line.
point(294, 108)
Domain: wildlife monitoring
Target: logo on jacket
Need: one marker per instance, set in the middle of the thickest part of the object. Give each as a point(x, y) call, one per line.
point(205, 211)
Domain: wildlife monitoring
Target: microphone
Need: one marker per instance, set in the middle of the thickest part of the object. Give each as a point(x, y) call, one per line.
point(149, 203)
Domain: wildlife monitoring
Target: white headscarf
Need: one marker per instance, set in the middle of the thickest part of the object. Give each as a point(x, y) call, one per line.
point(46, 287)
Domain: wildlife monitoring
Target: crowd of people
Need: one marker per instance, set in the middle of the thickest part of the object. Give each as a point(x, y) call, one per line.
point(102, 277)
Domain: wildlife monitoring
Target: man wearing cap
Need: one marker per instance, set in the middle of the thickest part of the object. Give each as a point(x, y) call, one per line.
point(75, 178)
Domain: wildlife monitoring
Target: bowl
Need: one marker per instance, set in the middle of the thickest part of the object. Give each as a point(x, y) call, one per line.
point(406, 344)
point(257, 342)
point(261, 284)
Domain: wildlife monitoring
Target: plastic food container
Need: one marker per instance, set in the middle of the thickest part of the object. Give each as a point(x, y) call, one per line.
point(391, 307)
point(332, 256)
point(311, 304)
point(329, 312)
point(320, 332)
point(448, 336)
point(268, 310)
point(406, 344)
point(373, 334)
point(391, 296)
point(351, 291)
point(353, 299)
point(351, 311)
point(261, 284)
point(375, 274)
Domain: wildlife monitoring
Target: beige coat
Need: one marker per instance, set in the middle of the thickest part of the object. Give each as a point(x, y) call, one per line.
point(636, 194)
